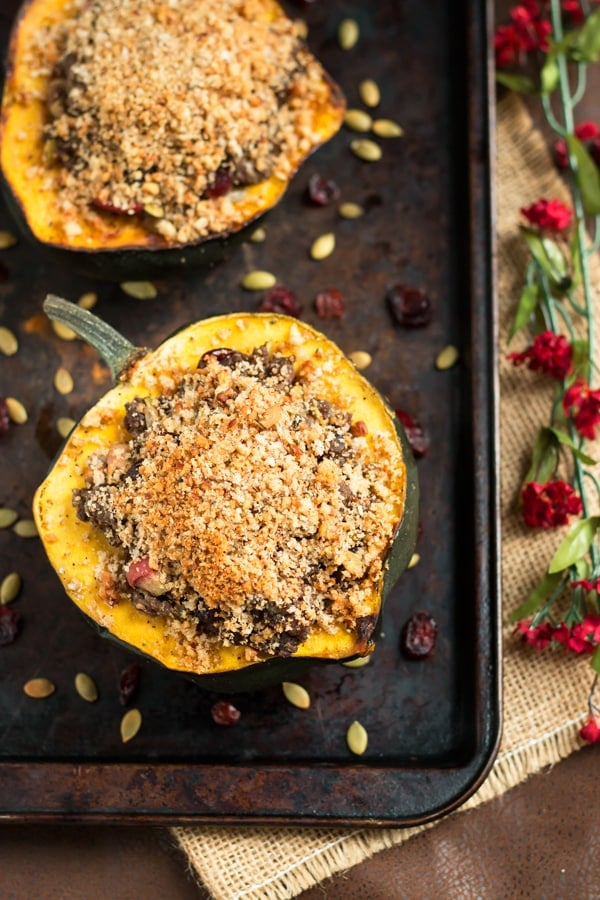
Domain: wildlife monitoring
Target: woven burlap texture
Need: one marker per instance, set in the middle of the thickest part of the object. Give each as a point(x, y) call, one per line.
point(545, 694)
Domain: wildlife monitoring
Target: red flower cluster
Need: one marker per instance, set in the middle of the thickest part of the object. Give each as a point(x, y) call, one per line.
point(527, 32)
point(552, 215)
point(582, 405)
point(583, 637)
point(549, 505)
point(591, 730)
point(549, 353)
point(589, 135)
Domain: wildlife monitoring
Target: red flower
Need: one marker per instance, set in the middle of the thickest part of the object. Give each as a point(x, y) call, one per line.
point(586, 132)
point(538, 637)
point(574, 638)
point(526, 32)
point(573, 10)
point(591, 731)
point(548, 505)
point(550, 353)
point(549, 214)
point(590, 627)
point(582, 405)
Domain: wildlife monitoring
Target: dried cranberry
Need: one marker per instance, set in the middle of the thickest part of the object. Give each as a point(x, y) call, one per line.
point(416, 435)
point(322, 191)
point(225, 713)
point(221, 185)
point(129, 683)
point(281, 300)
point(330, 304)
point(409, 306)
point(419, 636)
point(10, 621)
point(4, 417)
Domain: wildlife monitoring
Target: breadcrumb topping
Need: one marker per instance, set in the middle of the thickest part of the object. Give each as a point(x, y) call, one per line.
point(162, 108)
point(248, 510)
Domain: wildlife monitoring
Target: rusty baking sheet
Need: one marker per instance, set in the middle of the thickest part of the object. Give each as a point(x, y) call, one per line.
point(433, 725)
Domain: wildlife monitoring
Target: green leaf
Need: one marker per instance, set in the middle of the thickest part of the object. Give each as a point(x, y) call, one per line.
point(529, 299)
point(587, 174)
point(545, 256)
point(595, 660)
point(586, 47)
point(566, 439)
point(581, 356)
point(519, 83)
point(575, 545)
point(536, 597)
point(544, 458)
point(549, 75)
point(556, 257)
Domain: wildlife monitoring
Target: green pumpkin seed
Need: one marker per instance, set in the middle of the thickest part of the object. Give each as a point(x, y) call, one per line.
point(357, 738)
point(8, 341)
point(348, 34)
point(258, 236)
point(154, 210)
point(10, 588)
point(26, 528)
point(414, 561)
point(63, 381)
point(130, 724)
point(447, 357)
point(258, 280)
point(86, 687)
point(139, 290)
point(323, 246)
point(368, 91)
point(357, 663)
point(350, 210)
point(8, 517)
point(39, 688)
point(357, 120)
point(65, 425)
point(16, 411)
point(366, 150)
point(63, 331)
point(7, 240)
point(361, 359)
point(88, 300)
point(296, 694)
point(387, 128)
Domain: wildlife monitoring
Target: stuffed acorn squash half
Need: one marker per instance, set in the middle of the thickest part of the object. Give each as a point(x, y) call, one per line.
point(237, 506)
point(138, 135)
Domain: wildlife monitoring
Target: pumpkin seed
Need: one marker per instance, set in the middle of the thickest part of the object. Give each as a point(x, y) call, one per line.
point(88, 300)
point(447, 357)
point(64, 332)
point(366, 149)
point(350, 210)
point(357, 738)
point(130, 724)
point(357, 663)
point(413, 561)
point(8, 517)
point(86, 687)
point(7, 240)
point(140, 290)
point(348, 33)
point(26, 528)
point(296, 694)
point(258, 280)
point(323, 246)
point(63, 381)
point(258, 236)
point(387, 128)
point(8, 341)
point(368, 91)
point(16, 411)
point(361, 359)
point(154, 210)
point(39, 688)
point(10, 588)
point(65, 425)
point(357, 120)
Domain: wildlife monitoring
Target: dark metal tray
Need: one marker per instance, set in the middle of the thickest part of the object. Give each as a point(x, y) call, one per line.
point(433, 725)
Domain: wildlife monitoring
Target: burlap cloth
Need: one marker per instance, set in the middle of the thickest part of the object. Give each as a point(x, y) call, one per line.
point(545, 694)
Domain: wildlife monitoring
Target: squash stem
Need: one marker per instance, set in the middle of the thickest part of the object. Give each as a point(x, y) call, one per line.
point(117, 352)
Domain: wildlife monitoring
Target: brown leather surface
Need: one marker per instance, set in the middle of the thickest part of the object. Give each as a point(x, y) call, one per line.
point(540, 840)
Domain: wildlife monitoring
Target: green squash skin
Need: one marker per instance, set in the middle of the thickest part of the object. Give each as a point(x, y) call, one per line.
point(259, 676)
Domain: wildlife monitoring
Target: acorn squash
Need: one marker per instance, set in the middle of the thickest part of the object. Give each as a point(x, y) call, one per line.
point(142, 136)
point(237, 506)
